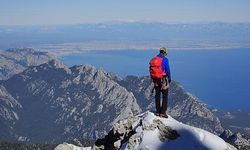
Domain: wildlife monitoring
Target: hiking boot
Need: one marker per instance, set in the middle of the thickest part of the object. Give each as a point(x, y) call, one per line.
point(157, 114)
point(163, 115)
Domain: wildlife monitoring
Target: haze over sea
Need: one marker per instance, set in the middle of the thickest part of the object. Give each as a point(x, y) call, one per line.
point(220, 78)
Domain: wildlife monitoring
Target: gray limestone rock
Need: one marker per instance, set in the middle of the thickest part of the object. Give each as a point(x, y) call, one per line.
point(123, 132)
point(80, 102)
point(236, 139)
point(9, 114)
point(166, 133)
point(13, 61)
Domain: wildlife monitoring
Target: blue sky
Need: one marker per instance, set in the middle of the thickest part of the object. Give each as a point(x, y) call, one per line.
point(16, 12)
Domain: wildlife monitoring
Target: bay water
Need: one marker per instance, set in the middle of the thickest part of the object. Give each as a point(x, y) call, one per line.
point(220, 78)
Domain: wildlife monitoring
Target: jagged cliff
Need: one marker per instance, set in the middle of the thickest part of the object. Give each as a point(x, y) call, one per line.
point(57, 102)
point(236, 139)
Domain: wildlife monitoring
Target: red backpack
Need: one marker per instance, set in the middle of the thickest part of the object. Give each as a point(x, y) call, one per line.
point(155, 68)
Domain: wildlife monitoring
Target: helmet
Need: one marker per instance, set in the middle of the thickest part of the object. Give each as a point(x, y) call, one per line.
point(164, 50)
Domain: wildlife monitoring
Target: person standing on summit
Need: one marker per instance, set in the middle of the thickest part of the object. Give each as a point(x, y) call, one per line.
point(161, 77)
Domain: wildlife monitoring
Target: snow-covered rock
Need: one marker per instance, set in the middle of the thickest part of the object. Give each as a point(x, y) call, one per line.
point(150, 132)
point(66, 146)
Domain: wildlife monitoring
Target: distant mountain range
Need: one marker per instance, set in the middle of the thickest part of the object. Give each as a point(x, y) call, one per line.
point(189, 35)
point(52, 103)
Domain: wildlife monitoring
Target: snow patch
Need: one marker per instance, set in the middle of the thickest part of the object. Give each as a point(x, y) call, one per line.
point(99, 109)
point(190, 138)
point(23, 139)
point(15, 114)
point(73, 111)
point(66, 146)
point(150, 132)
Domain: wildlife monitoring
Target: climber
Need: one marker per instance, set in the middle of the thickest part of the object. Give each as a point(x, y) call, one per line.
point(160, 74)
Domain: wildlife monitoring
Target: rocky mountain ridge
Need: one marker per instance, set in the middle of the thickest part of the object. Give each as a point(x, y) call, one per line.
point(57, 101)
point(15, 60)
point(82, 101)
point(236, 139)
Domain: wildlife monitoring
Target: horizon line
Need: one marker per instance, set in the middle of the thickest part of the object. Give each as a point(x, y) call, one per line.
point(132, 22)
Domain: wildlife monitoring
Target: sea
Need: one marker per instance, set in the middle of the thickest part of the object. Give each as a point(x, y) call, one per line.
point(219, 78)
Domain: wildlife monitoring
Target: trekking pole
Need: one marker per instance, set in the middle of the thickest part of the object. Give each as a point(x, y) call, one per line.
point(152, 91)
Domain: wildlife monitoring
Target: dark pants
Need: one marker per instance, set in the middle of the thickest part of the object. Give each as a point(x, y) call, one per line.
point(161, 106)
